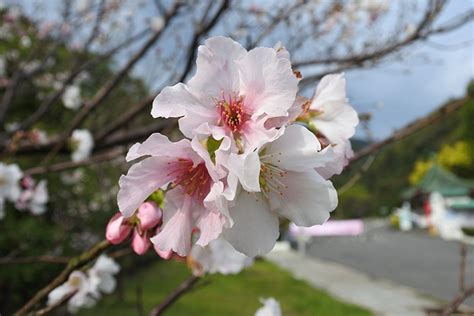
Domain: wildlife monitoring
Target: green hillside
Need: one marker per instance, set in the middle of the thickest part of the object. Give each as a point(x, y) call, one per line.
point(379, 189)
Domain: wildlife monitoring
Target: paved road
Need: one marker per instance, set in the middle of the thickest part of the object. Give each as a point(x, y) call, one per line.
point(413, 259)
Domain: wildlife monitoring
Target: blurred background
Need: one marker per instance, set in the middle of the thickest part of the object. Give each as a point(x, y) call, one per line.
point(406, 201)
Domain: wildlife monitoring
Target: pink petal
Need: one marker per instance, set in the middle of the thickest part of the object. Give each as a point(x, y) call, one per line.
point(177, 228)
point(149, 215)
point(140, 244)
point(117, 230)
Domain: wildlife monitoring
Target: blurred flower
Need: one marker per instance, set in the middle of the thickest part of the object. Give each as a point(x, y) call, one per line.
point(102, 275)
point(334, 119)
point(10, 176)
point(231, 96)
point(189, 203)
point(25, 41)
point(156, 24)
point(33, 197)
point(282, 178)
point(78, 283)
point(217, 257)
point(143, 223)
point(82, 144)
point(270, 307)
point(72, 97)
point(88, 287)
point(3, 67)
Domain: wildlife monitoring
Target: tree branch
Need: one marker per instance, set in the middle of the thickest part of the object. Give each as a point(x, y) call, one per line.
point(73, 264)
point(174, 296)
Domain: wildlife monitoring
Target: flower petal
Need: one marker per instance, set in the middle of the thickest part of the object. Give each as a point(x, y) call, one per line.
point(149, 215)
point(267, 82)
point(117, 231)
point(306, 199)
point(216, 70)
point(247, 168)
point(142, 179)
point(297, 149)
point(176, 231)
point(255, 229)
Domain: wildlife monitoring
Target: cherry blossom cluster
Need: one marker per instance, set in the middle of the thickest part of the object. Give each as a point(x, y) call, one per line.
point(88, 286)
point(254, 150)
point(21, 190)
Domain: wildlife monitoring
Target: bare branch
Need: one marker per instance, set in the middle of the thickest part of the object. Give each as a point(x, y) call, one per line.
point(73, 264)
point(174, 296)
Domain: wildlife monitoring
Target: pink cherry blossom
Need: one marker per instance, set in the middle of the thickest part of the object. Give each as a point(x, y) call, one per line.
point(190, 202)
point(279, 180)
point(232, 95)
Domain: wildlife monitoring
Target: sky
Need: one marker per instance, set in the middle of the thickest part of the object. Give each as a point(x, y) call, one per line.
point(398, 93)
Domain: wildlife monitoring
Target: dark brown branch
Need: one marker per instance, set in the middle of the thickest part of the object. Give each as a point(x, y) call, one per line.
point(73, 264)
point(197, 35)
point(108, 87)
point(61, 166)
point(420, 33)
point(27, 260)
point(77, 70)
point(410, 129)
point(125, 118)
point(457, 301)
point(174, 296)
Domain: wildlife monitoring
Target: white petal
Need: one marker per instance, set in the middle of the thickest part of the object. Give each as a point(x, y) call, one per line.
point(216, 70)
point(338, 119)
point(142, 179)
point(267, 82)
point(306, 199)
point(173, 101)
point(247, 168)
point(297, 149)
point(255, 229)
point(159, 145)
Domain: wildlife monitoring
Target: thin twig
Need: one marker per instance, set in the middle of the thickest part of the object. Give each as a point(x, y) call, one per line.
point(27, 260)
point(50, 308)
point(174, 296)
point(457, 301)
point(410, 129)
point(61, 166)
point(462, 266)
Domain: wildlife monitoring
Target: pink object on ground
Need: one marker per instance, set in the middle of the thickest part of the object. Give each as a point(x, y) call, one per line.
point(352, 227)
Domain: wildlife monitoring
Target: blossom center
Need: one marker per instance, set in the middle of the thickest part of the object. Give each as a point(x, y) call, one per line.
point(270, 179)
point(194, 180)
point(232, 112)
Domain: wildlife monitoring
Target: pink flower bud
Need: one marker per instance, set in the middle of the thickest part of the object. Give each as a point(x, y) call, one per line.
point(117, 230)
point(140, 243)
point(149, 215)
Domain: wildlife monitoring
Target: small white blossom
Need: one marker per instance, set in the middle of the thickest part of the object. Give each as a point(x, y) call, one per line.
point(72, 97)
point(89, 286)
point(25, 41)
point(101, 275)
point(79, 283)
point(10, 176)
point(34, 198)
point(218, 257)
point(270, 307)
point(82, 143)
point(156, 24)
